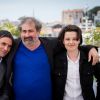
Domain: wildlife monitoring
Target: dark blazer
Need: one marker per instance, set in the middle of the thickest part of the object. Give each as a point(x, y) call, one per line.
point(86, 71)
point(3, 90)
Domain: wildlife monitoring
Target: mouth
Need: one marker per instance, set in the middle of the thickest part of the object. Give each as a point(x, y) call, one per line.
point(71, 45)
point(28, 39)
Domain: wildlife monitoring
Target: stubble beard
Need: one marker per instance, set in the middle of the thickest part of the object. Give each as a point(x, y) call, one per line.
point(30, 41)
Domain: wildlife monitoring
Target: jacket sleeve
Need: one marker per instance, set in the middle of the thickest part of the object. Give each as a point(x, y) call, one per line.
point(86, 48)
point(4, 91)
point(3, 88)
point(4, 97)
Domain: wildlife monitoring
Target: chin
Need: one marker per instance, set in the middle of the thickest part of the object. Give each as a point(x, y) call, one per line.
point(3, 56)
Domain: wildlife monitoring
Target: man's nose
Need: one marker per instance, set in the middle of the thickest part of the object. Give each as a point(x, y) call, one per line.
point(27, 32)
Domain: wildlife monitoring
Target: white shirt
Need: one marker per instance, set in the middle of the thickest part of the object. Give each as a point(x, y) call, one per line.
point(0, 60)
point(73, 89)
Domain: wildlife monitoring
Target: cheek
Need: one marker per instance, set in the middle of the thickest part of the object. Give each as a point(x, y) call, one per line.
point(78, 43)
point(1, 47)
point(65, 42)
point(9, 49)
point(21, 35)
point(65, 45)
point(35, 35)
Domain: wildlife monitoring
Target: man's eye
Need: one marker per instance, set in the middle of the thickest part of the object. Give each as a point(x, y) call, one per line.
point(24, 31)
point(30, 30)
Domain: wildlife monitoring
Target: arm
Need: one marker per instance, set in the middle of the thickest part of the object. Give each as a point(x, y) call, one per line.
point(3, 87)
point(97, 75)
point(91, 52)
point(4, 97)
point(3, 94)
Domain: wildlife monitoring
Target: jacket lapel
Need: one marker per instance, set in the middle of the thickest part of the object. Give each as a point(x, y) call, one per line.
point(48, 50)
point(11, 56)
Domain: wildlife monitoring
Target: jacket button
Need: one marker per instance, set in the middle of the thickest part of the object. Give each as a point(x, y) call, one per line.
point(88, 73)
point(64, 63)
point(59, 74)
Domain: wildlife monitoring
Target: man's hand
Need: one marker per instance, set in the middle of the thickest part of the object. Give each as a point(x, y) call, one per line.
point(93, 54)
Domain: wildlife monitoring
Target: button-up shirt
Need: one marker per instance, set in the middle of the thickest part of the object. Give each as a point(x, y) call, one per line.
point(73, 89)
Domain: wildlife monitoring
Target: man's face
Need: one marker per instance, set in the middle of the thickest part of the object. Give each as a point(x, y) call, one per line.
point(29, 34)
point(5, 46)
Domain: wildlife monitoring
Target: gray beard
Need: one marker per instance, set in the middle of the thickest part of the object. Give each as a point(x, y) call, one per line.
point(29, 41)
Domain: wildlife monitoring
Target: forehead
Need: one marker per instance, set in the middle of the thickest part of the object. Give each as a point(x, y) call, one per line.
point(28, 25)
point(6, 40)
point(70, 34)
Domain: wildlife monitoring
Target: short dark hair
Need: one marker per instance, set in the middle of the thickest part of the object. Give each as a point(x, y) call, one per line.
point(5, 33)
point(38, 24)
point(70, 28)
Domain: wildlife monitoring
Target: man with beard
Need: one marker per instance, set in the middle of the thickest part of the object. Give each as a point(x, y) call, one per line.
point(31, 62)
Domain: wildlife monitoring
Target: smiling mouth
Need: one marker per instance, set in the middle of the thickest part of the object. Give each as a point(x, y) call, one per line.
point(71, 45)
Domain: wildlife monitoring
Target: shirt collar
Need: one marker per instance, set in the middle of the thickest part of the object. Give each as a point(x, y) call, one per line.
point(77, 60)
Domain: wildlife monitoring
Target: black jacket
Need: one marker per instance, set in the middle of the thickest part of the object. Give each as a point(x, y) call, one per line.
point(86, 71)
point(3, 90)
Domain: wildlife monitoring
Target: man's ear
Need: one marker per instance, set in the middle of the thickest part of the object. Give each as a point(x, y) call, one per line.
point(38, 32)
